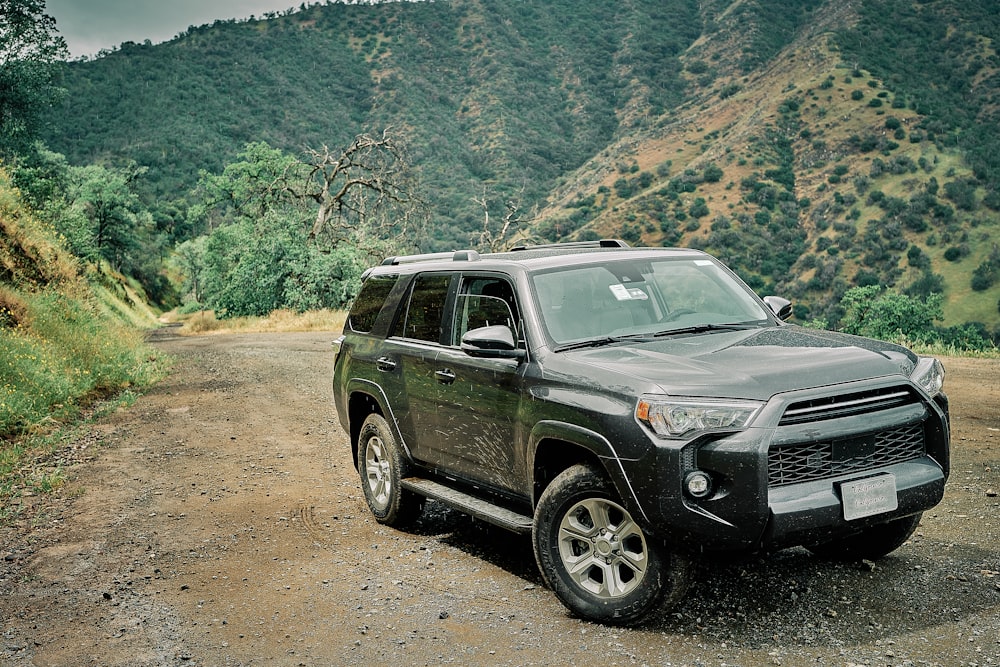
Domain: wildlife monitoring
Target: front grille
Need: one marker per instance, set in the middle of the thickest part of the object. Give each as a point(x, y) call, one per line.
point(846, 405)
point(803, 462)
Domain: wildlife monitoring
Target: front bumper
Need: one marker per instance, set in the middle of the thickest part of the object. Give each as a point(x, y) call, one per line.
point(813, 512)
point(760, 504)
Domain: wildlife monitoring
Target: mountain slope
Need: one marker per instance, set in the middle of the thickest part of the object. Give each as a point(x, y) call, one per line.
point(813, 144)
point(807, 176)
point(507, 93)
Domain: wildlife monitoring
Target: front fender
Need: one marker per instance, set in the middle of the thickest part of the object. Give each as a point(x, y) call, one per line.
point(594, 443)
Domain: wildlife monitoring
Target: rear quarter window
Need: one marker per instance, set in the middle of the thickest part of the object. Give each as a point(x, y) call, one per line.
point(369, 302)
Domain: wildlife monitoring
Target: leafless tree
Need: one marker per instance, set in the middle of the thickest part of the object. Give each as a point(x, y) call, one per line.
point(495, 237)
point(365, 193)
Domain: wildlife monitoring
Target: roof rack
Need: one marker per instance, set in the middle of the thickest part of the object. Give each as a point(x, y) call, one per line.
point(455, 256)
point(603, 243)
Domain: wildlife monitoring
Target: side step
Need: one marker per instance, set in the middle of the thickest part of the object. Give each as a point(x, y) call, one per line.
point(469, 504)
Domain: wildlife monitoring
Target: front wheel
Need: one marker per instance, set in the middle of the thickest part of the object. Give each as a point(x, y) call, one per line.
point(382, 466)
point(871, 543)
point(595, 557)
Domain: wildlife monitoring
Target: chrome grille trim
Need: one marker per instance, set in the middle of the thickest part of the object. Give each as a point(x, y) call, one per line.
point(845, 405)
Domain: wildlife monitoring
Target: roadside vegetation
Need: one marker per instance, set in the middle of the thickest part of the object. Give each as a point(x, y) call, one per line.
point(204, 322)
point(69, 346)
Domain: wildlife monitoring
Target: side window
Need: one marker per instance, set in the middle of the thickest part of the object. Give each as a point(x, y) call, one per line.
point(425, 314)
point(484, 302)
point(369, 302)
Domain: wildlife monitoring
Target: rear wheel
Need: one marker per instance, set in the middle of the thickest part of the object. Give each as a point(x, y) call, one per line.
point(871, 543)
point(596, 558)
point(381, 465)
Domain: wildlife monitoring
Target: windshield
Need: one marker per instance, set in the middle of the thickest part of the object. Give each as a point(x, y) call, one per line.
point(640, 299)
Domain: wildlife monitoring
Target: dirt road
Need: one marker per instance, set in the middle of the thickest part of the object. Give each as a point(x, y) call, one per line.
point(219, 522)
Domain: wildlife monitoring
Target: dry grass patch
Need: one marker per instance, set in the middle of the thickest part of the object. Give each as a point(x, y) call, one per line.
point(205, 323)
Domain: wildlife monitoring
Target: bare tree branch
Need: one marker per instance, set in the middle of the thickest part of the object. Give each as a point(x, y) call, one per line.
point(494, 241)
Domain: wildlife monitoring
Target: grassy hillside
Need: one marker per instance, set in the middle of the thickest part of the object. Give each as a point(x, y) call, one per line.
point(807, 175)
point(68, 335)
point(815, 145)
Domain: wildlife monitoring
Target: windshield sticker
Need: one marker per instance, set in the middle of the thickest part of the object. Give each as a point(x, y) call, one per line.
point(702, 262)
point(623, 293)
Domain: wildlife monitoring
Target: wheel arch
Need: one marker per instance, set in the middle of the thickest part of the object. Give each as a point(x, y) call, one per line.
point(365, 398)
point(556, 446)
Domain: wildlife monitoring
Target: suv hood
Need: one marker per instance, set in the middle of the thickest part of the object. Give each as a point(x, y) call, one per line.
point(754, 364)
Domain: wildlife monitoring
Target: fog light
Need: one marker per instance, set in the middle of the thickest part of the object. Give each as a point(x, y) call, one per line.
point(698, 484)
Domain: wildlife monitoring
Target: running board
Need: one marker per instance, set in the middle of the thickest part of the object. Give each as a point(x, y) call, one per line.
point(469, 504)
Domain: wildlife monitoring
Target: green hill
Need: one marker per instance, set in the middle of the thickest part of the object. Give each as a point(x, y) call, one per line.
point(814, 145)
point(70, 333)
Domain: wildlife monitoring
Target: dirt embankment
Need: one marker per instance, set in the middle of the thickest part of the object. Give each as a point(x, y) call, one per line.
point(219, 522)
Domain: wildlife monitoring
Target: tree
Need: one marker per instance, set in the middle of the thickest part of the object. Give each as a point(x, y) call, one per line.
point(268, 248)
point(987, 273)
point(365, 193)
point(878, 313)
point(108, 200)
point(249, 187)
point(30, 58)
point(492, 237)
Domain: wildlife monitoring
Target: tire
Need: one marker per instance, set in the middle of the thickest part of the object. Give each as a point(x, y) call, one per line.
point(594, 556)
point(871, 543)
point(381, 466)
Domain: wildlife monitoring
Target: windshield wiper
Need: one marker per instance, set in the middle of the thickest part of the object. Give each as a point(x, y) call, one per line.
point(603, 340)
point(705, 328)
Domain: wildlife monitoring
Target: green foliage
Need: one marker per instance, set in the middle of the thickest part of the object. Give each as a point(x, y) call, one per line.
point(30, 59)
point(932, 54)
point(699, 208)
point(98, 212)
point(713, 173)
point(255, 267)
point(878, 313)
point(259, 256)
point(775, 23)
point(988, 272)
point(507, 93)
point(59, 348)
point(63, 352)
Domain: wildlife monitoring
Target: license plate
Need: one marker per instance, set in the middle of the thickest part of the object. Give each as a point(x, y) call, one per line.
point(869, 496)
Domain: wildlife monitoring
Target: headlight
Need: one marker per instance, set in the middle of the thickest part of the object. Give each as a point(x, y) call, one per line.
point(929, 374)
point(673, 418)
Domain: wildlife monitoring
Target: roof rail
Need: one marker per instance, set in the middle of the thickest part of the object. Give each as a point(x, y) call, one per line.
point(455, 256)
point(603, 243)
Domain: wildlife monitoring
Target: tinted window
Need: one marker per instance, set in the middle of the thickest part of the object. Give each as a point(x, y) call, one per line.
point(425, 314)
point(484, 301)
point(369, 302)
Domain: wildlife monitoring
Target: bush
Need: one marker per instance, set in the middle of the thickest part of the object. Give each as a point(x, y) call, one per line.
point(955, 253)
point(877, 313)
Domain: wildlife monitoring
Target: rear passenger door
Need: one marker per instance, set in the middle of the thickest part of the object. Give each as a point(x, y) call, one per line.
point(409, 361)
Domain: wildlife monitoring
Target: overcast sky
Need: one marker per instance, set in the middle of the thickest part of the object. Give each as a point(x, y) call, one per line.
point(91, 25)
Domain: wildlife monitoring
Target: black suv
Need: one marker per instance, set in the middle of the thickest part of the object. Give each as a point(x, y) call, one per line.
point(635, 410)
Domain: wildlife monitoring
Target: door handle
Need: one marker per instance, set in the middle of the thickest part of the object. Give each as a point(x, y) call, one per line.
point(385, 364)
point(445, 376)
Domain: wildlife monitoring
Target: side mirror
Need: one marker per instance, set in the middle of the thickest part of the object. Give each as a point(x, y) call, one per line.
point(782, 308)
point(493, 342)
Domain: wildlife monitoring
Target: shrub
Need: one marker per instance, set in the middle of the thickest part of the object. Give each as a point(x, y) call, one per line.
point(877, 313)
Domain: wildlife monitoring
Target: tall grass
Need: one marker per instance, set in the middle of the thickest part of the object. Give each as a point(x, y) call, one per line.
point(57, 355)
